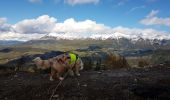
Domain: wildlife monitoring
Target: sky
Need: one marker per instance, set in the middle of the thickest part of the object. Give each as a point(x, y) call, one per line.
point(31, 19)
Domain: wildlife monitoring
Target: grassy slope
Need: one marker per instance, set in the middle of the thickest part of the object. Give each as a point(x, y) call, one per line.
point(38, 47)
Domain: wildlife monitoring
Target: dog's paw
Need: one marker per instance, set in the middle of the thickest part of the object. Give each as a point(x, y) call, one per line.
point(61, 78)
point(78, 74)
point(71, 73)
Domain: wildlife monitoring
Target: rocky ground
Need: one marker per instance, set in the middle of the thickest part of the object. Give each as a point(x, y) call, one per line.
point(120, 84)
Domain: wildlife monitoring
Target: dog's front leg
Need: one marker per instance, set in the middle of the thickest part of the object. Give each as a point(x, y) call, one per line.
point(70, 71)
point(52, 74)
point(77, 70)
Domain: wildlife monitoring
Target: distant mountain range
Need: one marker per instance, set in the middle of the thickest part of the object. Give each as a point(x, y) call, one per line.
point(121, 42)
point(118, 40)
point(132, 35)
point(9, 42)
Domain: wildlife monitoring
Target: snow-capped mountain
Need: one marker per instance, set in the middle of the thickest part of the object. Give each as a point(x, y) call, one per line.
point(120, 40)
point(133, 35)
point(9, 42)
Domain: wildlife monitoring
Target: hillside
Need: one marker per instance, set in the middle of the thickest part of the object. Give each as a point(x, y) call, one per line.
point(122, 84)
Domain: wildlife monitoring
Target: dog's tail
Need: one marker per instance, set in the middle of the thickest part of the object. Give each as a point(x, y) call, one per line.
point(36, 59)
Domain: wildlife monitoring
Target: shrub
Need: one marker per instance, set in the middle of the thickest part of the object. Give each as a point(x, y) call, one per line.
point(143, 63)
point(116, 61)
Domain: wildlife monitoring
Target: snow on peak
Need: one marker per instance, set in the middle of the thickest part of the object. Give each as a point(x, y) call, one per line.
point(115, 35)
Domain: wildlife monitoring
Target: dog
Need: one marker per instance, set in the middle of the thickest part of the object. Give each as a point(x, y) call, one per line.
point(42, 64)
point(59, 65)
point(63, 60)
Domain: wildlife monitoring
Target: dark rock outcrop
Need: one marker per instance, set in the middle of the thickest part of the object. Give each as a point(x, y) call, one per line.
point(6, 50)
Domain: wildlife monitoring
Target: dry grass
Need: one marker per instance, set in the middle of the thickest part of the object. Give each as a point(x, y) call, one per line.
point(143, 62)
point(18, 52)
point(116, 61)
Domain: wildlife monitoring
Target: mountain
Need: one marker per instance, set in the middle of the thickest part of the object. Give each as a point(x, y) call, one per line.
point(119, 40)
point(133, 35)
point(9, 42)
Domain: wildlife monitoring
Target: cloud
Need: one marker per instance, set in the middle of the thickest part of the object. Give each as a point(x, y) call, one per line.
point(35, 1)
point(45, 25)
point(88, 26)
point(27, 29)
point(3, 20)
point(4, 27)
point(42, 25)
point(152, 19)
point(121, 2)
point(137, 8)
point(152, 13)
point(75, 2)
point(19, 36)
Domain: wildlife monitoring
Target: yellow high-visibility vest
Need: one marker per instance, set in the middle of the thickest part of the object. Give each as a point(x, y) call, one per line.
point(73, 58)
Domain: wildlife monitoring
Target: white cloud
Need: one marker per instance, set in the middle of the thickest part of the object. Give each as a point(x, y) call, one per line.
point(74, 2)
point(3, 20)
point(43, 24)
point(27, 29)
point(153, 13)
point(121, 2)
point(71, 29)
point(136, 8)
point(4, 27)
point(87, 26)
point(19, 36)
point(35, 1)
point(152, 19)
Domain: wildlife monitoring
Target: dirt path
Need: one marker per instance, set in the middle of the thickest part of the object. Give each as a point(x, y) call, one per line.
point(133, 84)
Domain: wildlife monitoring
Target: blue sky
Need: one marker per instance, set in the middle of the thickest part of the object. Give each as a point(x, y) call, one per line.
point(108, 12)
point(112, 13)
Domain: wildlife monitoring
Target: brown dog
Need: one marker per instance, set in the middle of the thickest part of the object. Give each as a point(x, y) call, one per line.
point(41, 64)
point(59, 65)
point(63, 60)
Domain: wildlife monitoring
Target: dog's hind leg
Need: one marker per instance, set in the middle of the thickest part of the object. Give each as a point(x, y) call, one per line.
point(51, 78)
point(77, 70)
point(59, 77)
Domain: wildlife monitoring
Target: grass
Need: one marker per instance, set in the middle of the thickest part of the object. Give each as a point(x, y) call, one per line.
point(18, 52)
point(71, 45)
